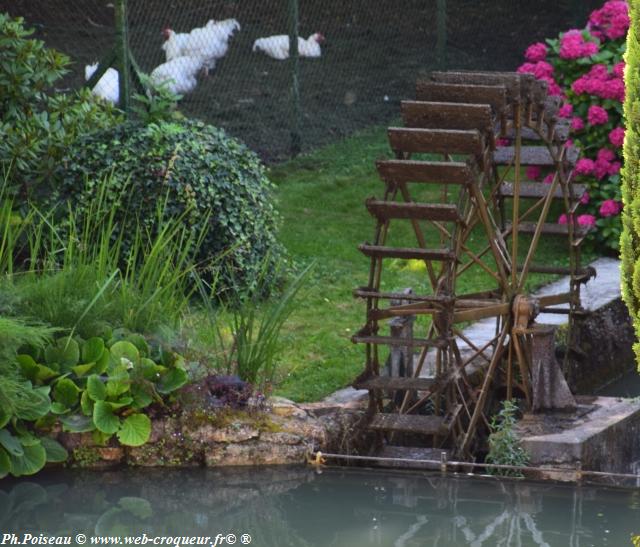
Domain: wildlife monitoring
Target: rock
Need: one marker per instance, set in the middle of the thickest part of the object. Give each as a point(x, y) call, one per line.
point(285, 408)
point(254, 453)
point(281, 438)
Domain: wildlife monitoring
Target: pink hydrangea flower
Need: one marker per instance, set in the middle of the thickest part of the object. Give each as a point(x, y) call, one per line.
point(566, 110)
point(584, 166)
point(563, 219)
point(616, 137)
point(574, 46)
point(597, 115)
point(586, 220)
point(611, 20)
point(533, 172)
point(610, 208)
point(618, 70)
point(585, 198)
point(577, 124)
point(502, 142)
point(599, 82)
point(548, 179)
point(540, 70)
point(536, 52)
point(614, 168)
point(605, 154)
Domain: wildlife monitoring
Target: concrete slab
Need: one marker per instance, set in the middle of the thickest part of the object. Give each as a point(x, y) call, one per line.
point(602, 435)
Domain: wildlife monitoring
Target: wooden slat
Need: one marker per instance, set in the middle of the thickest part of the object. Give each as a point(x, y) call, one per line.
point(495, 96)
point(553, 229)
point(444, 115)
point(407, 253)
point(388, 382)
point(587, 272)
point(437, 172)
point(385, 210)
point(409, 423)
point(532, 155)
point(516, 84)
point(365, 292)
point(400, 342)
point(435, 141)
point(537, 190)
point(560, 131)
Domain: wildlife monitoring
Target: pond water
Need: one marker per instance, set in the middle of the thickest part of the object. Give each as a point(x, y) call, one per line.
point(298, 507)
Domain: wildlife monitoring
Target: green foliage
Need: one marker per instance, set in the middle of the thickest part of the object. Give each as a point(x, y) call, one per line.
point(80, 277)
point(630, 239)
point(504, 447)
point(102, 384)
point(36, 127)
point(247, 330)
point(185, 169)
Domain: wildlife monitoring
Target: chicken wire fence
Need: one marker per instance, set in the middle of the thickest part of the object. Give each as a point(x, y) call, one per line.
point(358, 58)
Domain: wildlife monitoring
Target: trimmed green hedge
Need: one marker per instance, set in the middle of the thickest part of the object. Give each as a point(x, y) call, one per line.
point(630, 239)
point(184, 168)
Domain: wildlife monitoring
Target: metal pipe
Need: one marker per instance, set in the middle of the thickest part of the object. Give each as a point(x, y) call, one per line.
point(443, 464)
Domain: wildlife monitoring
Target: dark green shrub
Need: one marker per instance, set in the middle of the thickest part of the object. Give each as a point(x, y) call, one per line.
point(182, 168)
point(36, 125)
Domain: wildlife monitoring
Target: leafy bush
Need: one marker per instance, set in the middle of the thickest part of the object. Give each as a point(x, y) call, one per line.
point(187, 168)
point(585, 67)
point(36, 127)
point(504, 447)
point(630, 240)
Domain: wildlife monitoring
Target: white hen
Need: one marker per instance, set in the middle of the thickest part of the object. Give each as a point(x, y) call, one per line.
point(108, 86)
point(210, 42)
point(277, 47)
point(178, 75)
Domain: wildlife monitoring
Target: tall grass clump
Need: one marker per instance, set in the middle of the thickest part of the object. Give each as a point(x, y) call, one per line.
point(78, 276)
point(245, 328)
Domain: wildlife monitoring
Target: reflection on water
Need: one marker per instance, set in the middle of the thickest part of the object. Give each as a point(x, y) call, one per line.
point(295, 507)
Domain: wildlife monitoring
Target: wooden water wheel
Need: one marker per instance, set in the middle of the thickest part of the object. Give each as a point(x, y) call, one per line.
point(458, 118)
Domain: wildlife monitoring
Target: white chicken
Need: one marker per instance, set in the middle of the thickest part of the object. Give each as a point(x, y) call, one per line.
point(277, 47)
point(108, 86)
point(178, 75)
point(210, 42)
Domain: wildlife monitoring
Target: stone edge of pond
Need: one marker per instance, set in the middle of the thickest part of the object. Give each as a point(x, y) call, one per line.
point(280, 432)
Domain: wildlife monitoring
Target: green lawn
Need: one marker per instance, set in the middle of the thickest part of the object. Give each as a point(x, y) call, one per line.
point(321, 199)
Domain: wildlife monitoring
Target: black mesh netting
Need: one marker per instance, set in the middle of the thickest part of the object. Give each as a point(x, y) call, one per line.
point(373, 53)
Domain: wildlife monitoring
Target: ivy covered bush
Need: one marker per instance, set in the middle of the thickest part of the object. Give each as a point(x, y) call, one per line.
point(184, 168)
point(630, 241)
point(37, 124)
point(585, 67)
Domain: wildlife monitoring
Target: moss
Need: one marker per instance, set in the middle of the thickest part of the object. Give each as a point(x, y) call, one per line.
point(85, 456)
point(229, 417)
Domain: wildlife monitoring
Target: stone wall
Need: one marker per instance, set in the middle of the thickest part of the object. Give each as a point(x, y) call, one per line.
point(604, 342)
point(279, 432)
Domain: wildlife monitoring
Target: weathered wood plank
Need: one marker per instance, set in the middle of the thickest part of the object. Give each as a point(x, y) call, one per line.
point(394, 382)
point(495, 96)
point(407, 253)
point(385, 210)
point(537, 190)
point(435, 141)
point(392, 341)
point(409, 423)
point(445, 115)
point(532, 155)
point(403, 171)
point(553, 229)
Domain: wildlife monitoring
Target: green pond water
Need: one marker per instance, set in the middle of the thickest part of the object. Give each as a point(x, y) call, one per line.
point(299, 507)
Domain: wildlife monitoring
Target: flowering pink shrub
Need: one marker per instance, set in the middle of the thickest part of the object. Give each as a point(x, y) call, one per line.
point(586, 68)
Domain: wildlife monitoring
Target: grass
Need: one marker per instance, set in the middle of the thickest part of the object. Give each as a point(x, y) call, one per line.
point(321, 198)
